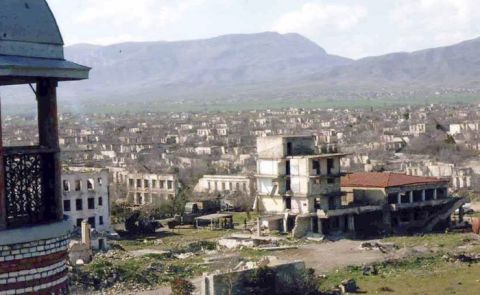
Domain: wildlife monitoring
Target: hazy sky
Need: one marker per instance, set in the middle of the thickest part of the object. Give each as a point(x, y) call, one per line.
point(353, 28)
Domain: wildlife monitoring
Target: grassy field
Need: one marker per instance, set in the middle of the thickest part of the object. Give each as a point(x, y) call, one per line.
point(168, 240)
point(221, 105)
point(442, 241)
point(239, 217)
point(428, 275)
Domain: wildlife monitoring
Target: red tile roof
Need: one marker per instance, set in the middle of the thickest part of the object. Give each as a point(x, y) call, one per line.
point(384, 180)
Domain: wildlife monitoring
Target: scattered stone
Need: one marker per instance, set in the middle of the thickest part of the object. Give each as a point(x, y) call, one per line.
point(79, 262)
point(184, 255)
point(383, 247)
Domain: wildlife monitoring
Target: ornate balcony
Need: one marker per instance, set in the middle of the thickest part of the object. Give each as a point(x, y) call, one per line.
point(29, 189)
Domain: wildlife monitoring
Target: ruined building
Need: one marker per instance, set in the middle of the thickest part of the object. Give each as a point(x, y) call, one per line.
point(298, 188)
point(398, 203)
point(302, 191)
point(86, 198)
point(34, 233)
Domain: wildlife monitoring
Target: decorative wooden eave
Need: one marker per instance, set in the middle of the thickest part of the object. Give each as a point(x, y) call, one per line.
point(31, 45)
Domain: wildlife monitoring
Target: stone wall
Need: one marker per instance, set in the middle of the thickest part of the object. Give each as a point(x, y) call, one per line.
point(302, 226)
point(33, 267)
point(231, 282)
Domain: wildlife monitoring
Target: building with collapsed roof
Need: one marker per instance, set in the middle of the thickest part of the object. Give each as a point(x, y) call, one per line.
point(398, 202)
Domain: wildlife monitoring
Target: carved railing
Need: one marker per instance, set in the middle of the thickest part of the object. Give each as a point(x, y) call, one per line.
point(28, 192)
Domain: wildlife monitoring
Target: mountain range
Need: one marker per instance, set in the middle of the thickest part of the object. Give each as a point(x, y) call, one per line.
point(263, 64)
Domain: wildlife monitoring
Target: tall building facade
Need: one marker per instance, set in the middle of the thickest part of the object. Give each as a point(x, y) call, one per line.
point(298, 188)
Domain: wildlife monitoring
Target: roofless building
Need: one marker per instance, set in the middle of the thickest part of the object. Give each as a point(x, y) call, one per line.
point(33, 231)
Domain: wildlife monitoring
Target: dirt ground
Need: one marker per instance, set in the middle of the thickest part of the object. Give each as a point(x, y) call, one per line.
point(323, 257)
point(329, 256)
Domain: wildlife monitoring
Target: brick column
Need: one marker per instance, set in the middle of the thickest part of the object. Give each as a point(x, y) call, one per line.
point(410, 196)
point(3, 201)
point(48, 139)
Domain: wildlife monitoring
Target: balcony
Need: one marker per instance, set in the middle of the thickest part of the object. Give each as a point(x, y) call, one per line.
point(29, 186)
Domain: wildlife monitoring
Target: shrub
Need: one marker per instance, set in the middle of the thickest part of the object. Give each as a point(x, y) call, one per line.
point(260, 282)
point(181, 286)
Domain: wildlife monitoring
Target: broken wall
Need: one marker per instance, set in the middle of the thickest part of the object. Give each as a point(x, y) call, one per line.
point(302, 226)
point(231, 282)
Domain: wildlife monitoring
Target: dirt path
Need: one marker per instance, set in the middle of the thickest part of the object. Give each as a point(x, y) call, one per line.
point(328, 256)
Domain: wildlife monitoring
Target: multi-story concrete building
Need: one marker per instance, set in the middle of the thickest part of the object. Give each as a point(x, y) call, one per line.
point(86, 197)
point(297, 187)
point(148, 188)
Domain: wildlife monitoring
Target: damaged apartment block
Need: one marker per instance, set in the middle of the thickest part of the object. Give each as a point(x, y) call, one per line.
point(295, 183)
point(302, 191)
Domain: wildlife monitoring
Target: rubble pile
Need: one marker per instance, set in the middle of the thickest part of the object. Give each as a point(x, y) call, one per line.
point(383, 247)
point(462, 258)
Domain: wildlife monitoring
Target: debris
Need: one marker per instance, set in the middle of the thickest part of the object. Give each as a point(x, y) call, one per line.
point(315, 237)
point(184, 255)
point(464, 258)
point(79, 262)
point(383, 247)
point(348, 286)
point(276, 248)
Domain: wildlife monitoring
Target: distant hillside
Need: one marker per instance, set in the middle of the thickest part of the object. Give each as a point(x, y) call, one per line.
point(258, 68)
point(453, 66)
point(156, 68)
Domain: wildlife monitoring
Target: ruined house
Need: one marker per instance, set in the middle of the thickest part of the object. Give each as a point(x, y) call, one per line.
point(225, 184)
point(150, 188)
point(86, 198)
point(398, 203)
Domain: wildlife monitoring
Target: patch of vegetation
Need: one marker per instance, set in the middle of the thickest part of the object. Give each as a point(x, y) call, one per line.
point(252, 254)
point(181, 286)
point(260, 281)
point(239, 217)
point(444, 241)
point(167, 240)
point(150, 270)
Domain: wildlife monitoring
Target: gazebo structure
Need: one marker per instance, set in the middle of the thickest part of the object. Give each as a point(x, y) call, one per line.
point(33, 232)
